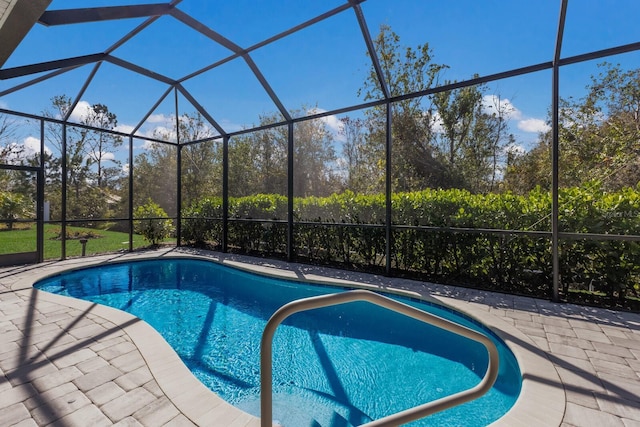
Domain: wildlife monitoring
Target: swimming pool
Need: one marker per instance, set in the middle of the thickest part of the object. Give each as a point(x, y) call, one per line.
point(333, 367)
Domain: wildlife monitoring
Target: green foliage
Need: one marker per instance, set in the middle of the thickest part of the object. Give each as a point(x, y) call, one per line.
point(155, 173)
point(610, 267)
point(449, 236)
point(249, 234)
point(202, 162)
point(151, 222)
point(599, 138)
point(12, 207)
point(450, 139)
point(331, 233)
point(261, 206)
point(202, 221)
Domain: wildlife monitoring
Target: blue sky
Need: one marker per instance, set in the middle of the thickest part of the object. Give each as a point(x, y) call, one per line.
point(325, 65)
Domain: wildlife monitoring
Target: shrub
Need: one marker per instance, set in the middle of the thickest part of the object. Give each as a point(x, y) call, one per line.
point(152, 223)
point(202, 221)
point(12, 207)
point(252, 235)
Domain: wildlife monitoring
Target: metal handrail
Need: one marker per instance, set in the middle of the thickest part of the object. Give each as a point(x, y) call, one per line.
point(405, 416)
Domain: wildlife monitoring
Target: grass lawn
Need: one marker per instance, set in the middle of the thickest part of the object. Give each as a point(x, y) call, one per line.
point(99, 241)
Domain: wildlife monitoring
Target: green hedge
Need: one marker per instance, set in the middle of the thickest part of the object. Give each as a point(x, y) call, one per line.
point(452, 243)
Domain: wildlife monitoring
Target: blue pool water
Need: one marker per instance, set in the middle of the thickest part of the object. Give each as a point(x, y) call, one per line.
point(340, 366)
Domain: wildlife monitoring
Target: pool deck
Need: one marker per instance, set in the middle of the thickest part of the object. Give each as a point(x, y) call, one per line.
point(65, 362)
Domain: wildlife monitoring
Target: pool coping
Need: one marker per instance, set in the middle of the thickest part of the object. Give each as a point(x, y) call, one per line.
point(541, 401)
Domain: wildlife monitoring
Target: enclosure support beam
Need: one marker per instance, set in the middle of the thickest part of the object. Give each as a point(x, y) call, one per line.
point(270, 40)
point(179, 198)
point(40, 199)
point(78, 97)
point(37, 80)
point(63, 201)
point(225, 194)
point(179, 175)
point(152, 109)
point(10, 73)
point(130, 193)
point(200, 109)
point(388, 211)
point(237, 50)
point(555, 154)
point(138, 69)
point(370, 47)
point(290, 152)
point(95, 14)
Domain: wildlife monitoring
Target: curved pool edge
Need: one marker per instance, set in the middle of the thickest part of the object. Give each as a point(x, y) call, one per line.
point(192, 398)
point(541, 402)
point(542, 399)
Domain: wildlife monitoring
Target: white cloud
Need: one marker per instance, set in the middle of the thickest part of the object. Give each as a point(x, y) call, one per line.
point(494, 104)
point(533, 125)
point(104, 157)
point(491, 103)
point(156, 125)
point(333, 123)
point(161, 131)
point(515, 149)
point(4, 105)
point(124, 128)
point(32, 146)
point(162, 123)
point(27, 149)
point(436, 123)
point(160, 118)
point(169, 133)
point(148, 145)
point(80, 112)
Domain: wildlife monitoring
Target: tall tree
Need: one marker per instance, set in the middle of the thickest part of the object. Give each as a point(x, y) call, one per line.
point(155, 176)
point(201, 162)
point(614, 98)
point(474, 133)
point(405, 70)
point(314, 159)
point(8, 147)
point(449, 139)
point(77, 157)
point(526, 171)
point(101, 145)
point(258, 160)
point(356, 172)
point(90, 182)
point(10, 152)
point(599, 137)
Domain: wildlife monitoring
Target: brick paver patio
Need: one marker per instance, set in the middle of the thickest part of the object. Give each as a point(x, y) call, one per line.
point(65, 362)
